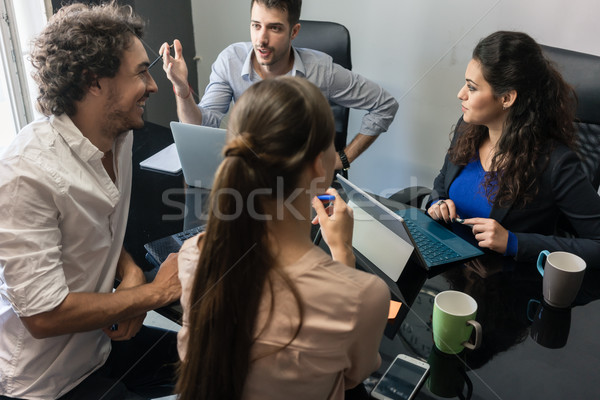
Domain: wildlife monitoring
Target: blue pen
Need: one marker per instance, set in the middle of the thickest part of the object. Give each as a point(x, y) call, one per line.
point(326, 199)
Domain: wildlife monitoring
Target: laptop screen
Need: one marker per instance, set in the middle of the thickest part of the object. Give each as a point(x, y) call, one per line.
point(200, 152)
point(379, 234)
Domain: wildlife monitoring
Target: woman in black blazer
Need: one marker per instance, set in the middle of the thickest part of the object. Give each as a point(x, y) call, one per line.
point(511, 169)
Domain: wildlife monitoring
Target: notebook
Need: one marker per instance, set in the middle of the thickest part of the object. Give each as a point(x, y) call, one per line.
point(200, 152)
point(401, 235)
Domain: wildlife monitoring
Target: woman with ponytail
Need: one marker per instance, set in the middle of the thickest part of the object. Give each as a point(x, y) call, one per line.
point(512, 167)
point(268, 315)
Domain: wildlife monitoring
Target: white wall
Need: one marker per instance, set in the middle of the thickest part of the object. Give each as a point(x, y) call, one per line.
point(416, 49)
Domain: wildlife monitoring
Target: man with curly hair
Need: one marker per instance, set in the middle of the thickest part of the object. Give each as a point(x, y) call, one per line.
point(65, 185)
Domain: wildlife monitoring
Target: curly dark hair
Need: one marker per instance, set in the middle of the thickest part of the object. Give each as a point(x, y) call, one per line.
point(541, 116)
point(80, 44)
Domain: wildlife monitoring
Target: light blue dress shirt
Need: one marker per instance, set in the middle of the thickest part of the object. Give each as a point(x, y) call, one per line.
point(232, 74)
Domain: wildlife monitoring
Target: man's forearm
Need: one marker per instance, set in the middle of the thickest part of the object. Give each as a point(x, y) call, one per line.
point(356, 147)
point(187, 109)
point(81, 312)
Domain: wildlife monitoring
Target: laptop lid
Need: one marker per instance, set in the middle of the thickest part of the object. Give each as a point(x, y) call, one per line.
point(379, 234)
point(200, 152)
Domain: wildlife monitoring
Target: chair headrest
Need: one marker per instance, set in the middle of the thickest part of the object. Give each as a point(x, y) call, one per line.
point(582, 71)
point(329, 37)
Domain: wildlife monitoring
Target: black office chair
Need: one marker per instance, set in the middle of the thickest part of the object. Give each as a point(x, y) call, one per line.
point(582, 71)
point(333, 39)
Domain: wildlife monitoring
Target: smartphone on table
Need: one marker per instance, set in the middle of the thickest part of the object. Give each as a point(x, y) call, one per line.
point(402, 380)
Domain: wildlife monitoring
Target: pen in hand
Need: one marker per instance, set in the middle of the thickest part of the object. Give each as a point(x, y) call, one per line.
point(157, 59)
point(327, 200)
point(462, 221)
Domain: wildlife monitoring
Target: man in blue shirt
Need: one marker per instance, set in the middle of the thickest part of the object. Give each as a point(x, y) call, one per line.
point(273, 26)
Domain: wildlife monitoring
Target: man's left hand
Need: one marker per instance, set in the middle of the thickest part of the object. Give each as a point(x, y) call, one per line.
point(126, 329)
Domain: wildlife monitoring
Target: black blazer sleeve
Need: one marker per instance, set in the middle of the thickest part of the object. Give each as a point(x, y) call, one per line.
point(571, 194)
point(440, 191)
point(449, 171)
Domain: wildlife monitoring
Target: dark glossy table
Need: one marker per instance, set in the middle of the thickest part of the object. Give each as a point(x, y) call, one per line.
point(157, 199)
point(509, 365)
point(558, 360)
point(160, 202)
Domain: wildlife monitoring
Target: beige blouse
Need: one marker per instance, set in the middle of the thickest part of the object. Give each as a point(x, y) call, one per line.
point(336, 349)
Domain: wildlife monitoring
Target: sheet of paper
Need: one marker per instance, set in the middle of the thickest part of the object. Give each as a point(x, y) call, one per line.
point(166, 160)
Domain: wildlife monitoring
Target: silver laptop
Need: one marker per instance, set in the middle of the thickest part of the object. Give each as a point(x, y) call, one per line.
point(200, 152)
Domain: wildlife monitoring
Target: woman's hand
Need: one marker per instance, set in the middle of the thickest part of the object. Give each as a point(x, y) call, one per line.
point(489, 233)
point(336, 228)
point(443, 210)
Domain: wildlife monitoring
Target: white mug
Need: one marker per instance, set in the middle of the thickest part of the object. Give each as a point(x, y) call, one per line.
point(563, 274)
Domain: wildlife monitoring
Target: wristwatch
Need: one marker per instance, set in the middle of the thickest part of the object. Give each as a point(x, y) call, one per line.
point(345, 162)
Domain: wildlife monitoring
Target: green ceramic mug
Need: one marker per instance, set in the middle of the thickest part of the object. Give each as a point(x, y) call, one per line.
point(453, 322)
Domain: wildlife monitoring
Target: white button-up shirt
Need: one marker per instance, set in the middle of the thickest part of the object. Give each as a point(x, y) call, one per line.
point(62, 223)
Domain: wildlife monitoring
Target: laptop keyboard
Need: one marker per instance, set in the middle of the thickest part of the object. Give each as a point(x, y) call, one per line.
point(158, 250)
point(188, 233)
point(432, 251)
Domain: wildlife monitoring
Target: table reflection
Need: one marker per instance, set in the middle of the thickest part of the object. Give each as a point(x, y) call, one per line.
point(550, 353)
point(502, 293)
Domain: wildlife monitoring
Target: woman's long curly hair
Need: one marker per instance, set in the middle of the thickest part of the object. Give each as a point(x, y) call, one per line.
point(541, 116)
point(80, 44)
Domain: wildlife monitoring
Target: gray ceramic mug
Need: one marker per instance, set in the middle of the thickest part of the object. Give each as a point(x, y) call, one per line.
point(563, 273)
